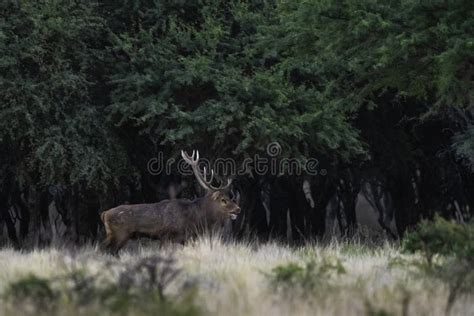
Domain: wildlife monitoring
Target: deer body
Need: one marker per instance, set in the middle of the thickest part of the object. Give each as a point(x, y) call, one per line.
point(174, 219)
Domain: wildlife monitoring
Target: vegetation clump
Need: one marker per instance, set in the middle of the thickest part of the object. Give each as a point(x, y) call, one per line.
point(441, 237)
point(32, 291)
point(306, 279)
point(447, 249)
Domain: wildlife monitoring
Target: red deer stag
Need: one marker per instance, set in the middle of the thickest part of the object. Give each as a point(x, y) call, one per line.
point(175, 219)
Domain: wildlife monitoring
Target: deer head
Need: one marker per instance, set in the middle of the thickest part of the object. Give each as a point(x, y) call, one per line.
point(216, 197)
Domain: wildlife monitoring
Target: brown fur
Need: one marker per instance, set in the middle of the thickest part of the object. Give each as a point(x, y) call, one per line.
point(171, 219)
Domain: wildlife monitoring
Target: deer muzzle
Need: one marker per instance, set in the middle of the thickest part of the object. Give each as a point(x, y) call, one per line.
point(234, 213)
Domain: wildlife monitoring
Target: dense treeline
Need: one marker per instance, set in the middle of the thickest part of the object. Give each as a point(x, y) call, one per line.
point(381, 93)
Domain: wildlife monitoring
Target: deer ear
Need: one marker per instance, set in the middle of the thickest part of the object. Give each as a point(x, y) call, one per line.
point(215, 195)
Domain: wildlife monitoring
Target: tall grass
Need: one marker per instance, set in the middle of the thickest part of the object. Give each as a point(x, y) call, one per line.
point(238, 278)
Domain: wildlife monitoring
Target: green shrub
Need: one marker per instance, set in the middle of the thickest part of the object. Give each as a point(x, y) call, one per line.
point(307, 278)
point(32, 292)
point(441, 237)
point(448, 251)
point(122, 301)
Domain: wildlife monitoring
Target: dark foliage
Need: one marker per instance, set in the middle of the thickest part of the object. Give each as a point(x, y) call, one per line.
point(379, 92)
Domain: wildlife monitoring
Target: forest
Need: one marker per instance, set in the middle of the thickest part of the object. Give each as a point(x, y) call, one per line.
point(306, 157)
point(380, 93)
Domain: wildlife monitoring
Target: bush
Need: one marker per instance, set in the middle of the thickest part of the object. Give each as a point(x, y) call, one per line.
point(32, 292)
point(308, 278)
point(448, 250)
point(441, 237)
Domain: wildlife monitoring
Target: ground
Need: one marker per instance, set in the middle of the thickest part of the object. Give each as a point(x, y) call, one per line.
point(246, 278)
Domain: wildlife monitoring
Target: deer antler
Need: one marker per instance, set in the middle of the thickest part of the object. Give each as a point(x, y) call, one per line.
point(193, 161)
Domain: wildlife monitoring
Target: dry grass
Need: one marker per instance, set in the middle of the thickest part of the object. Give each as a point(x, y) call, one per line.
point(233, 278)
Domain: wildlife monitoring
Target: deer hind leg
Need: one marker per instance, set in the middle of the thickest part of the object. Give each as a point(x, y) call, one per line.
point(112, 244)
point(119, 241)
point(108, 243)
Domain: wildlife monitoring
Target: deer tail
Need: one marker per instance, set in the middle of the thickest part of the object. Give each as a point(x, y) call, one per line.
point(102, 216)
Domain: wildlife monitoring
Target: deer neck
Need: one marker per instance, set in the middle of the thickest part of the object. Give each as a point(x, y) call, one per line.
point(203, 210)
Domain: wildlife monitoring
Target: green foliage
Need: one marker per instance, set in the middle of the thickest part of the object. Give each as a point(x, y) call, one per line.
point(51, 113)
point(208, 83)
point(453, 245)
point(82, 83)
point(441, 237)
point(364, 48)
point(308, 279)
point(32, 290)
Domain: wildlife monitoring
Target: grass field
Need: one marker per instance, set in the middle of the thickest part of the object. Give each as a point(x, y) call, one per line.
point(210, 277)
